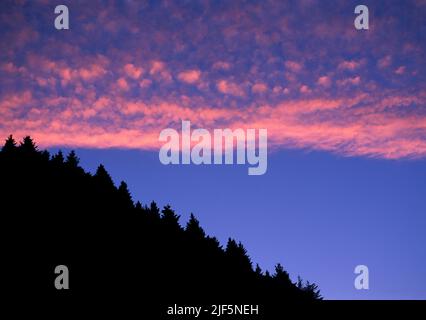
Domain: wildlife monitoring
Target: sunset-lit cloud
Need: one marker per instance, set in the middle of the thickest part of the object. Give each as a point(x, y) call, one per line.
point(324, 81)
point(259, 88)
point(189, 76)
point(120, 75)
point(349, 65)
point(228, 87)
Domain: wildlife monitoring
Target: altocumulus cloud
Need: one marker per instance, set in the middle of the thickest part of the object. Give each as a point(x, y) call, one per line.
point(123, 72)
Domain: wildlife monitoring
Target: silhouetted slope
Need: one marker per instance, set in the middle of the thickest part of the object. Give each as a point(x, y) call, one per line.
point(56, 213)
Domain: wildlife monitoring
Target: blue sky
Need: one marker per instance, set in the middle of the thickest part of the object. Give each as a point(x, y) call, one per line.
point(318, 214)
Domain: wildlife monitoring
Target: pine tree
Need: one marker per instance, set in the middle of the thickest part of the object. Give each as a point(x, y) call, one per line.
point(9, 146)
point(154, 212)
point(282, 276)
point(45, 155)
point(58, 159)
point(138, 206)
point(299, 282)
point(125, 196)
point(103, 177)
point(72, 160)
point(193, 228)
point(238, 255)
point(258, 270)
point(28, 146)
point(170, 218)
point(312, 290)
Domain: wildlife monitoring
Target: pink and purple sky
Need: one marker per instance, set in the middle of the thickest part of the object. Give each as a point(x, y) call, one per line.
point(355, 100)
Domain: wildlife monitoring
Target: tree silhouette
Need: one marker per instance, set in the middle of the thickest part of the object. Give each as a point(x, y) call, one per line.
point(72, 160)
point(10, 145)
point(28, 146)
point(282, 276)
point(124, 196)
point(258, 270)
point(194, 229)
point(170, 219)
point(237, 254)
point(56, 213)
point(58, 159)
point(103, 177)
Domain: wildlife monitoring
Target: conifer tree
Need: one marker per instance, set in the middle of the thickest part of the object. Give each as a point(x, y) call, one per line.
point(312, 290)
point(170, 218)
point(154, 212)
point(194, 229)
point(10, 145)
point(281, 275)
point(45, 155)
point(138, 206)
point(28, 146)
point(238, 255)
point(258, 270)
point(103, 177)
point(72, 160)
point(58, 159)
point(124, 196)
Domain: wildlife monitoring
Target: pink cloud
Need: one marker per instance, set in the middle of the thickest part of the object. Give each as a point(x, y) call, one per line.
point(305, 89)
point(190, 76)
point(221, 65)
point(384, 62)
point(132, 71)
point(92, 72)
point(349, 65)
point(324, 81)
point(65, 92)
point(157, 67)
point(349, 81)
point(159, 70)
point(259, 88)
point(295, 124)
point(293, 66)
point(16, 100)
point(122, 84)
point(44, 82)
point(227, 87)
point(65, 74)
point(145, 83)
point(400, 70)
point(9, 67)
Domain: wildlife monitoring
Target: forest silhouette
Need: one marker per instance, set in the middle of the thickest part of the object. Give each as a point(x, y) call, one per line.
point(55, 213)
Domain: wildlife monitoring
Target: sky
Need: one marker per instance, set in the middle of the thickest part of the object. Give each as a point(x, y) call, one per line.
point(344, 109)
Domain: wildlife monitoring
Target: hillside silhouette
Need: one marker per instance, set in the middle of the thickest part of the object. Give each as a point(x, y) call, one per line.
point(117, 251)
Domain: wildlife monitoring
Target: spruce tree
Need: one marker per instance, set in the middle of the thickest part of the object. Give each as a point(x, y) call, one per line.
point(282, 276)
point(9, 146)
point(103, 177)
point(170, 218)
point(237, 254)
point(72, 160)
point(193, 228)
point(58, 159)
point(28, 146)
point(125, 196)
